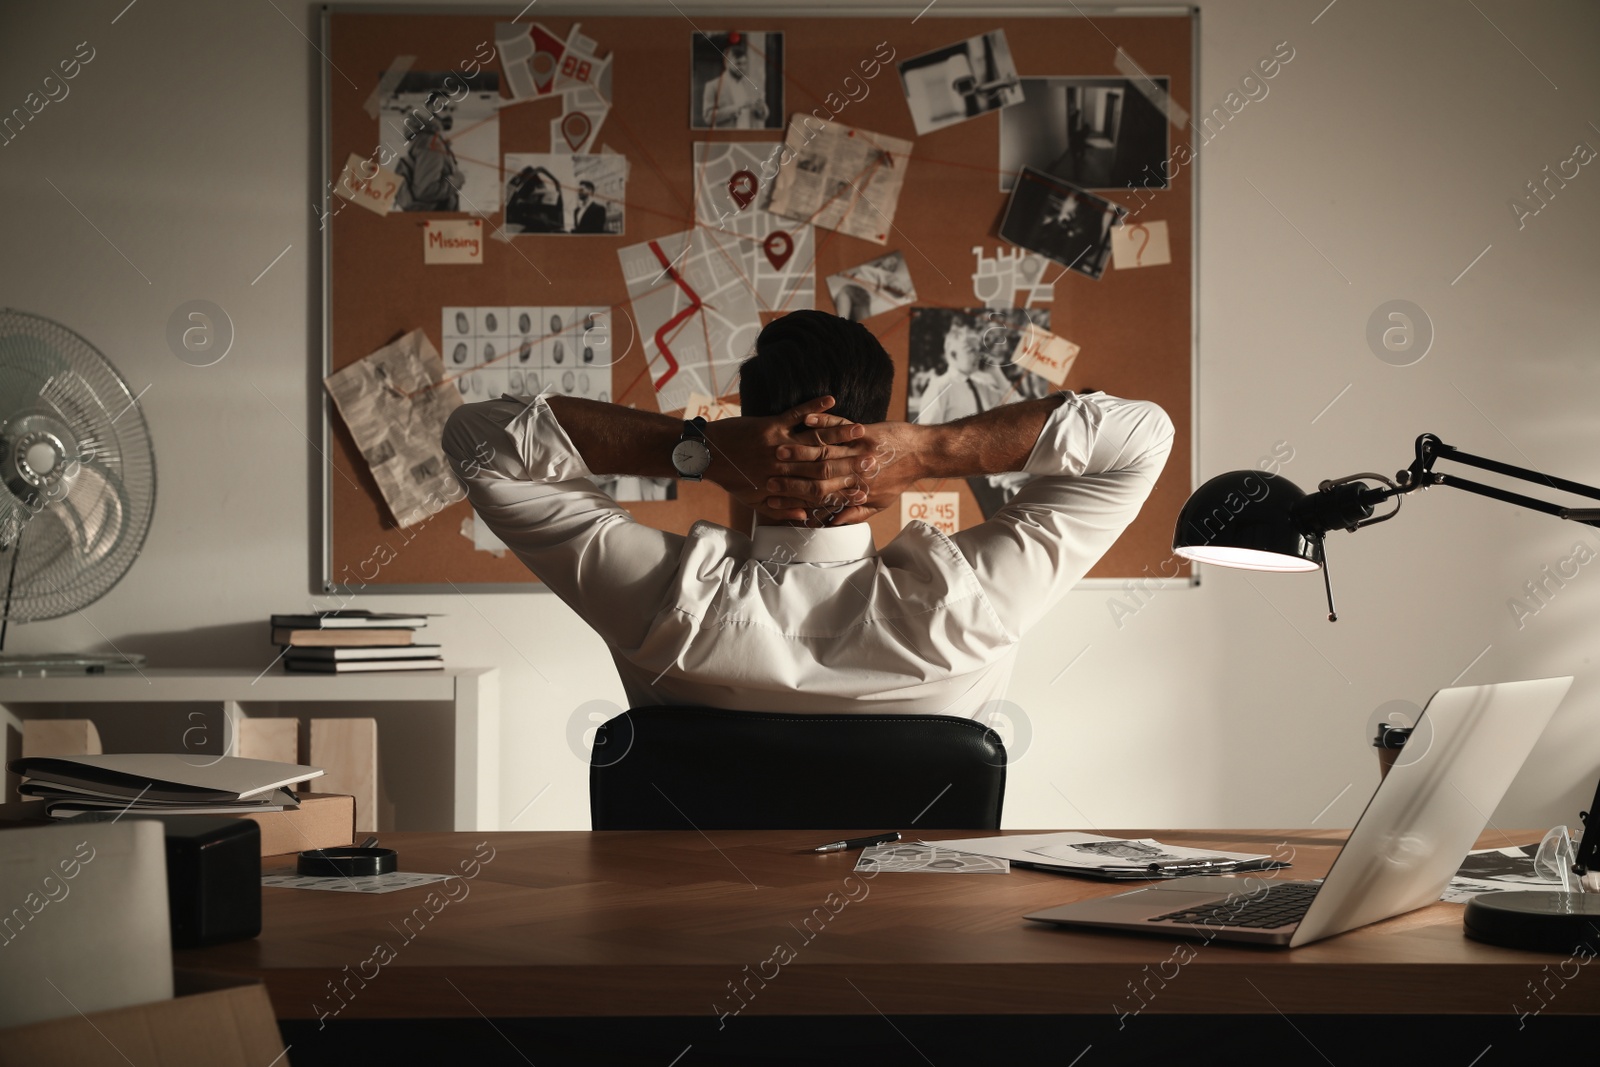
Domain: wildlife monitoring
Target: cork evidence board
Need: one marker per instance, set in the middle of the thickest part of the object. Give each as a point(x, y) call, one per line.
point(612, 206)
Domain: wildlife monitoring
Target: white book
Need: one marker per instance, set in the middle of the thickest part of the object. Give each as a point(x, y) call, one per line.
point(166, 776)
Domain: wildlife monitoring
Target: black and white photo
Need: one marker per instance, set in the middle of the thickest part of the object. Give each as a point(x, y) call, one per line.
point(562, 193)
point(960, 363)
point(443, 130)
point(960, 81)
point(1098, 133)
point(736, 81)
point(872, 288)
point(627, 488)
point(1061, 221)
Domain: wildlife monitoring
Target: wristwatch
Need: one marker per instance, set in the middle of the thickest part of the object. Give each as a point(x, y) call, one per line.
point(691, 455)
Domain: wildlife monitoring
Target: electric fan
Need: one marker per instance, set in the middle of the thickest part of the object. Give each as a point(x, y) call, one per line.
point(79, 480)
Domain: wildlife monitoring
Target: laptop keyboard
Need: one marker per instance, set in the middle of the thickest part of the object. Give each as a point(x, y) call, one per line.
point(1283, 904)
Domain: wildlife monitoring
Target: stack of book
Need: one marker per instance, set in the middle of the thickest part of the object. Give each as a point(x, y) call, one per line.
point(354, 640)
point(159, 784)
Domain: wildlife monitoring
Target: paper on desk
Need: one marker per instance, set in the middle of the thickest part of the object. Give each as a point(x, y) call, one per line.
point(366, 883)
point(1091, 851)
point(927, 858)
point(1486, 870)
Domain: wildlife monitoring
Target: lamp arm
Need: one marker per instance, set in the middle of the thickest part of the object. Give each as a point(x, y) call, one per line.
point(1430, 449)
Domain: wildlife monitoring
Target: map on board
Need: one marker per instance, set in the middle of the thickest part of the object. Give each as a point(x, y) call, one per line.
point(733, 182)
point(695, 311)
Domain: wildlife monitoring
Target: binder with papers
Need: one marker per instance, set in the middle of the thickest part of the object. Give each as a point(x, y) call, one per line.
point(165, 783)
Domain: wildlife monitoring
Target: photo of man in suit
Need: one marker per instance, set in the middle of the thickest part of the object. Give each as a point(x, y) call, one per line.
point(588, 216)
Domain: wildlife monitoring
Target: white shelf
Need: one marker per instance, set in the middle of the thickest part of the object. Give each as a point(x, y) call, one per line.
point(472, 693)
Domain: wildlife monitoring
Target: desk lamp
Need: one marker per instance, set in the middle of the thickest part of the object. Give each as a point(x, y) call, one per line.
point(1254, 521)
point(1261, 522)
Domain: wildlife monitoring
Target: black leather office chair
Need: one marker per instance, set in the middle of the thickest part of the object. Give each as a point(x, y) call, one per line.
point(681, 768)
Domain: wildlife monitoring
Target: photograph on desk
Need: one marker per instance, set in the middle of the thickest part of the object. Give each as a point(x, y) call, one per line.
point(1061, 221)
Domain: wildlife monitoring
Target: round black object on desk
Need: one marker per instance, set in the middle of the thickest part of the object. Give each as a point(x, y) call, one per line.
point(1536, 920)
point(347, 862)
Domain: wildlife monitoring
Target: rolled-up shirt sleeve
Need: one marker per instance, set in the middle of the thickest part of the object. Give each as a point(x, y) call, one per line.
point(530, 486)
point(1094, 464)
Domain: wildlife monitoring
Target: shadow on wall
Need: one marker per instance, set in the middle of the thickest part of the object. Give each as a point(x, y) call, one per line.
point(240, 644)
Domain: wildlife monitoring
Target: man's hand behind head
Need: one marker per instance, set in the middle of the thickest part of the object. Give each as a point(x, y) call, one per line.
point(754, 459)
point(883, 464)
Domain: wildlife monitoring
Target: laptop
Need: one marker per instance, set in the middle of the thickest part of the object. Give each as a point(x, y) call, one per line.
point(1417, 828)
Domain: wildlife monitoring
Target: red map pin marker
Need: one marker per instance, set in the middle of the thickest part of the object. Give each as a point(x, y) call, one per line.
point(778, 246)
point(742, 187)
point(575, 128)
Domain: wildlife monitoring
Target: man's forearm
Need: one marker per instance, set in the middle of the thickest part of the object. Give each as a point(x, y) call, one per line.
point(613, 439)
point(995, 442)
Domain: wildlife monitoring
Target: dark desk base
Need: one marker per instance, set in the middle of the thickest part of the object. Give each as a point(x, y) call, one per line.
point(945, 1040)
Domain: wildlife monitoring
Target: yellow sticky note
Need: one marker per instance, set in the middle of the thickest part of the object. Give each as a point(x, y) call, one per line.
point(452, 241)
point(1140, 244)
point(700, 406)
point(1045, 354)
point(940, 510)
point(375, 193)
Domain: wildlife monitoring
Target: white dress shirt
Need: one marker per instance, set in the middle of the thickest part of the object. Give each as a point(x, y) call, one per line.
point(801, 620)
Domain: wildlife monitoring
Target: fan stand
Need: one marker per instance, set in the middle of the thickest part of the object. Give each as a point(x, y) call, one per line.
point(11, 582)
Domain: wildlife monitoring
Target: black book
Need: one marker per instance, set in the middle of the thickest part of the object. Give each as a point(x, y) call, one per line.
point(350, 619)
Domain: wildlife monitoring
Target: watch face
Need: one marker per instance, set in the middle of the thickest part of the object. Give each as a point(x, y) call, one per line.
point(691, 457)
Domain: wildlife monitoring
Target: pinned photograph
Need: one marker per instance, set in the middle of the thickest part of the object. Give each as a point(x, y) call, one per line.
point(872, 288)
point(960, 82)
point(627, 488)
point(1061, 221)
point(444, 131)
point(561, 193)
point(736, 81)
point(964, 362)
point(1098, 133)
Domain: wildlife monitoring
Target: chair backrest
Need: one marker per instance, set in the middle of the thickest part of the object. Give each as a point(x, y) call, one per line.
point(681, 768)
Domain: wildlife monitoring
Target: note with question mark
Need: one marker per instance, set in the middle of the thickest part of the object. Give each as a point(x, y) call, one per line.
point(1140, 244)
point(367, 184)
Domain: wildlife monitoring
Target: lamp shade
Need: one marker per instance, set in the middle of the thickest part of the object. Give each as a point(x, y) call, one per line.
point(1246, 519)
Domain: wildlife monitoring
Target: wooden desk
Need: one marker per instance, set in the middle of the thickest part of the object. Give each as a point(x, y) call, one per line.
point(658, 924)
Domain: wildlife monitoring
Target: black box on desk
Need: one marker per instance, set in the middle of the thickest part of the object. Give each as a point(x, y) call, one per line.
point(213, 878)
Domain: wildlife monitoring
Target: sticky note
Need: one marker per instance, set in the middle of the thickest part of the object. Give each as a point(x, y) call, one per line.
point(939, 510)
point(375, 193)
point(452, 241)
point(1140, 244)
point(700, 406)
point(1045, 354)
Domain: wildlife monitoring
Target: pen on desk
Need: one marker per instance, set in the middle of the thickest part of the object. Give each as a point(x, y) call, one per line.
point(859, 842)
point(1193, 865)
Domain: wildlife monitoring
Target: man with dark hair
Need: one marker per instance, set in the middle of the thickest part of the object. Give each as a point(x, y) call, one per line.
point(588, 216)
point(804, 613)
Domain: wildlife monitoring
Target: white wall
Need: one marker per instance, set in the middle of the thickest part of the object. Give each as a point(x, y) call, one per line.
point(1378, 167)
